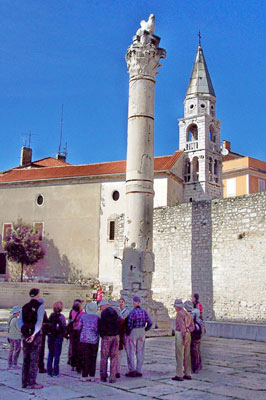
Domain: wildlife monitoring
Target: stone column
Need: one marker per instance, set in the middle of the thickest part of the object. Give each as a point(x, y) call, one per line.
point(138, 259)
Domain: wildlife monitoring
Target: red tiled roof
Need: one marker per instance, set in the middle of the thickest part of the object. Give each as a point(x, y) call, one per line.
point(44, 162)
point(231, 156)
point(70, 171)
point(50, 162)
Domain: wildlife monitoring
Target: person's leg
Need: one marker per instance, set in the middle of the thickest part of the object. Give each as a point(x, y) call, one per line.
point(26, 363)
point(34, 359)
point(187, 356)
point(113, 357)
point(57, 353)
point(179, 354)
point(17, 349)
point(76, 356)
point(140, 346)
point(41, 356)
point(119, 360)
point(79, 355)
point(92, 359)
point(84, 349)
point(11, 351)
point(51, 341)
point(131, 351)
point(69, 353)
point(105, 345)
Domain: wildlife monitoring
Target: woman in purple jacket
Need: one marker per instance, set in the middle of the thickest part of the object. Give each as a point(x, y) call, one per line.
point(89, 341)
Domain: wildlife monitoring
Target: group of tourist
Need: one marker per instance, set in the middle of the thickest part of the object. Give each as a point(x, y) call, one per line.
point(119, 329)
point(188, 332)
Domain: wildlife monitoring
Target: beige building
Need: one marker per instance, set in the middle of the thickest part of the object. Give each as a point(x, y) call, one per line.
point(241, 174)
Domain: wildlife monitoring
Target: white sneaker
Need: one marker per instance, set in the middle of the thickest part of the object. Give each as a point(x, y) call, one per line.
point(93, 379)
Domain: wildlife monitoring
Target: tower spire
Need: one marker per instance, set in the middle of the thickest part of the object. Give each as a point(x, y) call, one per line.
point(200, 81)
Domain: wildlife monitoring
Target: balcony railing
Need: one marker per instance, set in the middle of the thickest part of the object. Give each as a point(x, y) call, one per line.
point(192, 145)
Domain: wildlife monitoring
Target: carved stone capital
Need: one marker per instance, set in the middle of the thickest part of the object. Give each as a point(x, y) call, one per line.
point(144, 54)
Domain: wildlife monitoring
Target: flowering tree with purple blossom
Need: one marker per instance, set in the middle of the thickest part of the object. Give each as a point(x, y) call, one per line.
point(22, 244)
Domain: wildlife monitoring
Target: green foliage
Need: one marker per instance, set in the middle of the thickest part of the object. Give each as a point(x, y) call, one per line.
point(22, 244)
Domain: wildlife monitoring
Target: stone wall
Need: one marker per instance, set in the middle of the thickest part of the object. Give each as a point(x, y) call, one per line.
point(16, 293)
point(216, 248)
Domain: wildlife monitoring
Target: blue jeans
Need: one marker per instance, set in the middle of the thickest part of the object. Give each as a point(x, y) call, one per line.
point(55, 348)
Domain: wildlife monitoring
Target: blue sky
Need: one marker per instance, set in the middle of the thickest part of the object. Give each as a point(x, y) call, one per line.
point(72, 52)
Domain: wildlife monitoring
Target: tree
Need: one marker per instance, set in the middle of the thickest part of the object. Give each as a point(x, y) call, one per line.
point(22, 244)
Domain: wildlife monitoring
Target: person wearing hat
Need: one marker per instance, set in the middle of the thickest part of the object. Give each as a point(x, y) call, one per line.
point(89, 341)
point(109, 332)
point(30, 322)
point(184, 326)
point(138, 323)
point(14, 338)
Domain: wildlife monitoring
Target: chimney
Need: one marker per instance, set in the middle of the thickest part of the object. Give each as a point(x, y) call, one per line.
point(61, 157)
point(227, 145)
point(25, 156)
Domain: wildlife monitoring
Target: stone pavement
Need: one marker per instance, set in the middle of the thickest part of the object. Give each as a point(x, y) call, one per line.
point(233, 369)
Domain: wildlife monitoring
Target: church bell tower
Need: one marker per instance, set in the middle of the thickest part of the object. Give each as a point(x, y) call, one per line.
point(199, 136)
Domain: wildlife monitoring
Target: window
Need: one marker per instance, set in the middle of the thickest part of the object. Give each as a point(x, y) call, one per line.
point(231, 187)
point(6, 229)
point(39, 227)
point(111, 235)
point(210, 168)
point(215, 170)
point(115, 195)
point(192, 133)
point(39, 200)
point(195, 164)
point(2, 263)
point(212, 136)
point(187, 170)
point(261, 185)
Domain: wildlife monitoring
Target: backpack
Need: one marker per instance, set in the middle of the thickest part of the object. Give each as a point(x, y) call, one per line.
point(55, 327)
point(29, 317)
point(197, 333)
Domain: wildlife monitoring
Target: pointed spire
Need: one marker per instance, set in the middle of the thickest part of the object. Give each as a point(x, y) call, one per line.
point(200, 81)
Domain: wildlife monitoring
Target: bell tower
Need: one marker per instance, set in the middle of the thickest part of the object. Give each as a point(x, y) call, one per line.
point(199, 136)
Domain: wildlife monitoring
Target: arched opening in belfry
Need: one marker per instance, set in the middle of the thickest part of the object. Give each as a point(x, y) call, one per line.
point(215, 170)
point(195, 164)
point(187, 170)
point(212, 135)
point(210, 169)
point(192, 133)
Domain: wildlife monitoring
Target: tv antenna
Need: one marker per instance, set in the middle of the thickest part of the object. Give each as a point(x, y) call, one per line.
point(61, 129)
point(28, 139)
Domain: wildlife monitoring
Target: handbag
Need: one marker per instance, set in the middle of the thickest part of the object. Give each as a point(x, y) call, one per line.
point(70, 325)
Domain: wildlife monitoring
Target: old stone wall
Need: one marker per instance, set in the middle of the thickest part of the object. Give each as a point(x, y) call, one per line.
point(216, 248)
point(16, 293)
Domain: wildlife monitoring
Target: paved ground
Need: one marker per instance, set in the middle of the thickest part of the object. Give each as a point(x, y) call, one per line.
point(233, 369)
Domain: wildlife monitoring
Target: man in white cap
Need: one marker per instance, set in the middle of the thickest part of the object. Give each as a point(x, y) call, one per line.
point(14, 338)
point(138, 323)
point(184, 325)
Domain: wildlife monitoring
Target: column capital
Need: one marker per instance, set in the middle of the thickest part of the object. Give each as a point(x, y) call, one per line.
point(143, 55)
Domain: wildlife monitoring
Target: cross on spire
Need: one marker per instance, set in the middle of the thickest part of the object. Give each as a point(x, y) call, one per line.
point(199, 35)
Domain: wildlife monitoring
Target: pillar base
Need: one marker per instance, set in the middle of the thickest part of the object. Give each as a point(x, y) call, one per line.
point(157, 311)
